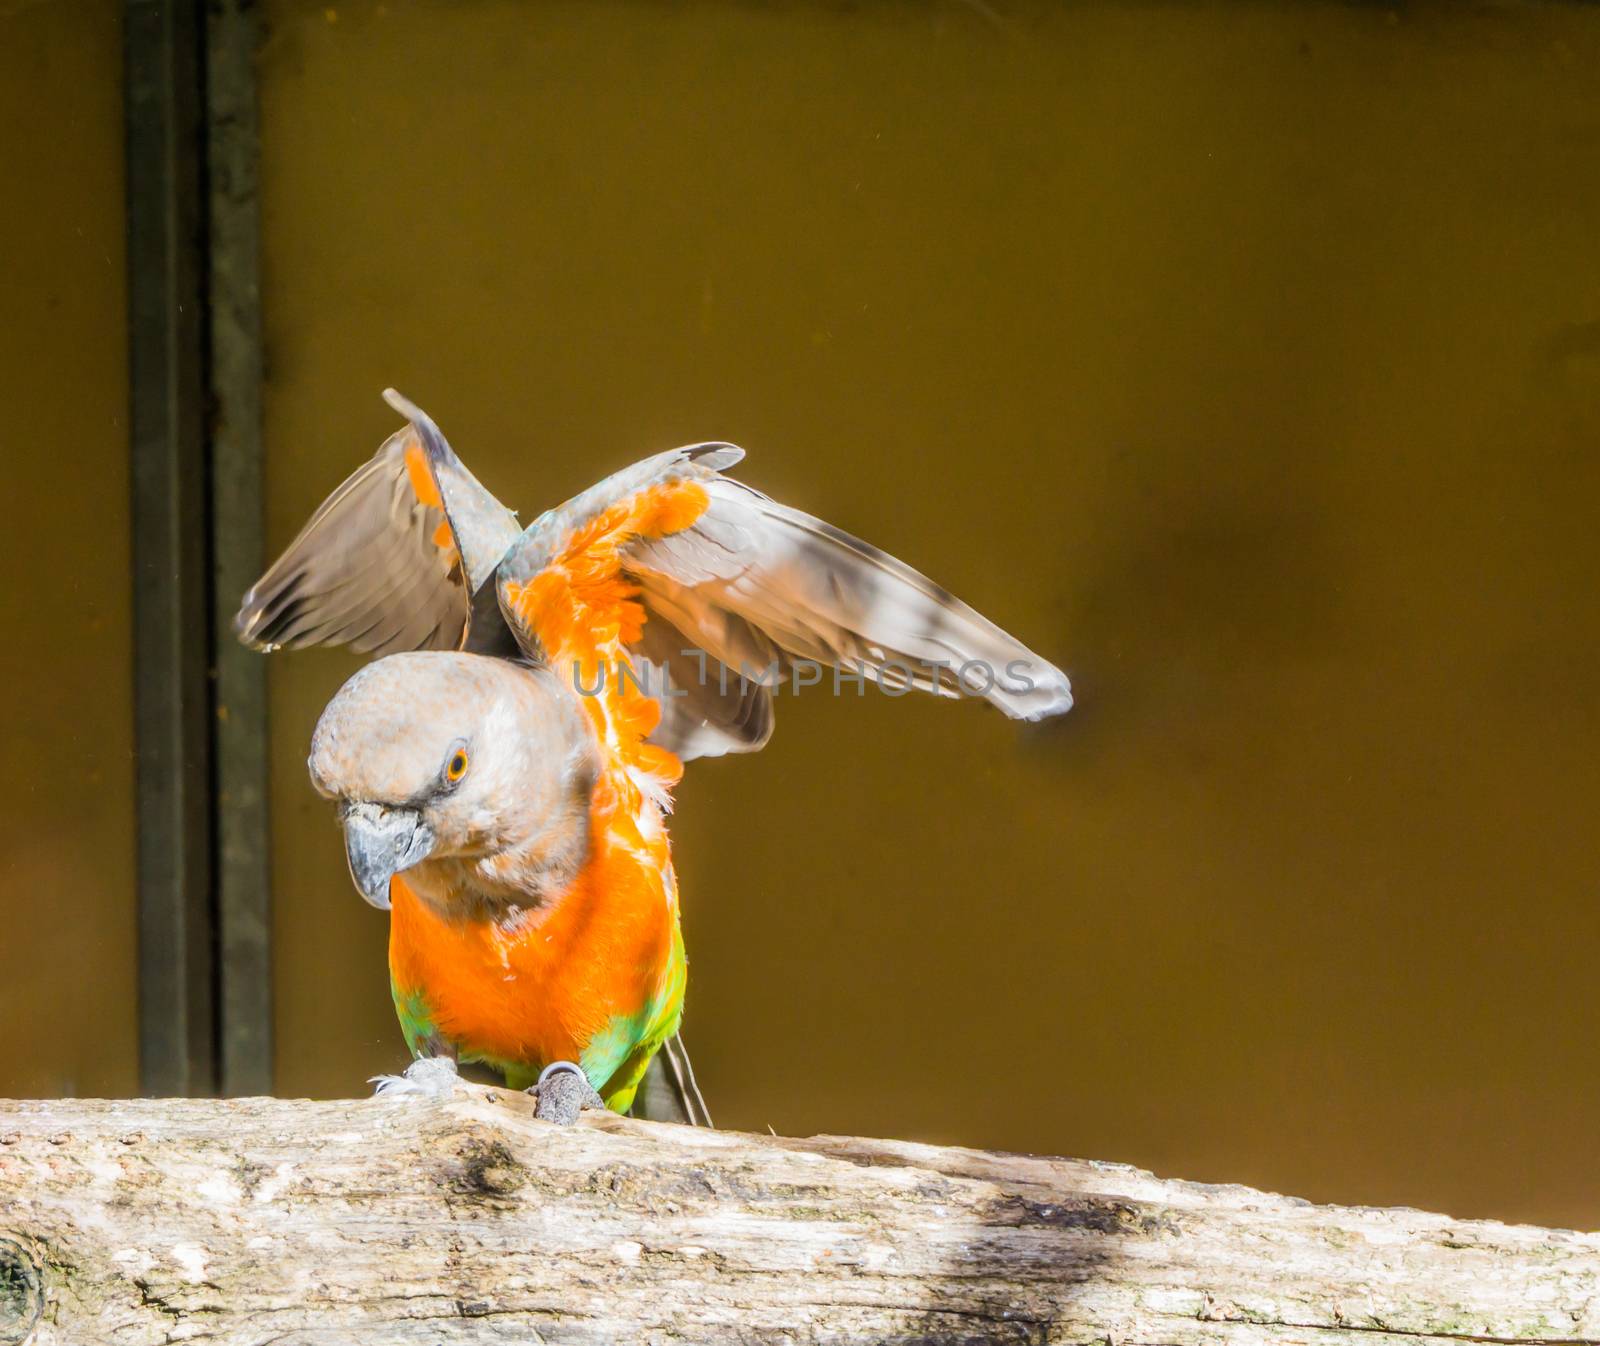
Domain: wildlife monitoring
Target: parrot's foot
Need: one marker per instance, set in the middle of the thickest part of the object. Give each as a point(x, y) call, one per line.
point(563, 1092)
point(426, 1077)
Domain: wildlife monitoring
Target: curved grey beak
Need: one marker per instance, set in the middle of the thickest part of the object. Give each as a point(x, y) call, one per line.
point(379, 842)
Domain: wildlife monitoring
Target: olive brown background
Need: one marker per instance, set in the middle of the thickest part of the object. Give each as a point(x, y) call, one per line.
point(1243, 358)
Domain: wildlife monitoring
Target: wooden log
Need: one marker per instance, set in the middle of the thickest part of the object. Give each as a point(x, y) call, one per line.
point(467, 1220)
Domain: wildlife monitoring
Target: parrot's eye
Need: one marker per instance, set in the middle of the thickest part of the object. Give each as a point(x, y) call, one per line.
point(456, 767)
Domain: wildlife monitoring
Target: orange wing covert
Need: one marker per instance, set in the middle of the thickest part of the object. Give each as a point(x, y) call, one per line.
point(426, 489)
point(585, 613)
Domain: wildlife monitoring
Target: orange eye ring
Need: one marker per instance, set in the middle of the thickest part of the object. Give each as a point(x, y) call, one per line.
point(456, 767)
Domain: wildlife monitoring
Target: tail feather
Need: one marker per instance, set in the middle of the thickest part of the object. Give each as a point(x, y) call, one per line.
point(668, 1092)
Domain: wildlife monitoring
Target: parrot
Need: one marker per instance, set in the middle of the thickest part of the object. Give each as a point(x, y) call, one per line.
point(503, 768)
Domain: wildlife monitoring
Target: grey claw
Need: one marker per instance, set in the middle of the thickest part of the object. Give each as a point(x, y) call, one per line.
point(563, 1092)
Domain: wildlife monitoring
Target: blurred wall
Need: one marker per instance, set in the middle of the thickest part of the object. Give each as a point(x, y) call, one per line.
point(1245, 359)
point(67, 1018)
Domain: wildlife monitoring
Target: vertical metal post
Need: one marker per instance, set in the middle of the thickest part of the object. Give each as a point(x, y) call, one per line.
point(244, 912)
point(205, 1007)
point(172, 702)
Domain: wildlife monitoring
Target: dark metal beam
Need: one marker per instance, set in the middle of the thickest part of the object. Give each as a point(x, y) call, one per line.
point(205, 1002)
point(162, 93)
point(244, 911)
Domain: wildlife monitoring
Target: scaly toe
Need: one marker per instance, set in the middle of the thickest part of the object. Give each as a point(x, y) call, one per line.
point(563, 1091)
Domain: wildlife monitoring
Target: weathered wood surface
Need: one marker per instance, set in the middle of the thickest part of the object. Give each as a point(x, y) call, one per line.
point(377, 1221)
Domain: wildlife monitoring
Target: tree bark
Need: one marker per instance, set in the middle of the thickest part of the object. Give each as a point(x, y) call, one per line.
point(406, 1221)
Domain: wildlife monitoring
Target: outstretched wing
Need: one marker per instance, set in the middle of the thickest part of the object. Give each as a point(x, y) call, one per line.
point(670, 564)
point(391, 559)
point(751, 565)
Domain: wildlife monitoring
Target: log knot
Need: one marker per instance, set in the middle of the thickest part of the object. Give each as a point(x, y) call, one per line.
point(21, 1293)
point(484, 1167)
point(1089, 1216)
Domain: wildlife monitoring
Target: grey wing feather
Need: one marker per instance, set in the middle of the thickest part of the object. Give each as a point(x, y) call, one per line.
point(545, 536)
point(361, 571)
point(369, 570)
point(750, 564)
point(707, 709)
point(668, 1092)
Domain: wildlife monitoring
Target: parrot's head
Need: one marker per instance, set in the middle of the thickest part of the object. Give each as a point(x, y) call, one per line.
point(444, 763)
